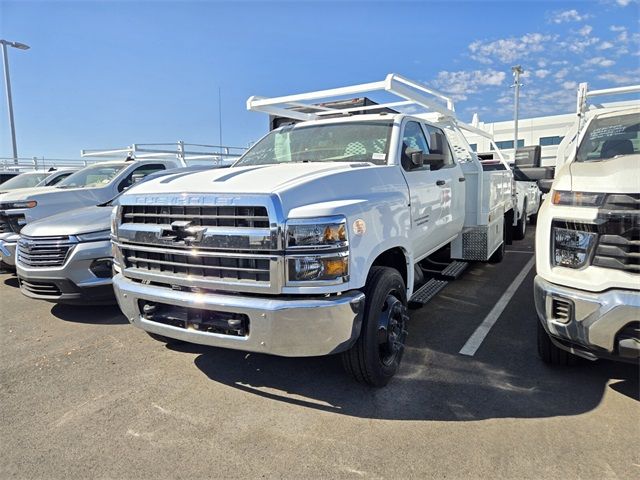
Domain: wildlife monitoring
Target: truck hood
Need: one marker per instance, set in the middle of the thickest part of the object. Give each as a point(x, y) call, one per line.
point(23, 191)
point(616, 175)
point(57, 199)
point(74, 222)
point(258, 179)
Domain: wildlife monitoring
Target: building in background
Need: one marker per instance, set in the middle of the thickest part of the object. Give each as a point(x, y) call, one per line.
point(547, 132)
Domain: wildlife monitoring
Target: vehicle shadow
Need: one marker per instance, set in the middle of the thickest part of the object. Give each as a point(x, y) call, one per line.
point(94, 314)
point(430, 386)
point(12, 282)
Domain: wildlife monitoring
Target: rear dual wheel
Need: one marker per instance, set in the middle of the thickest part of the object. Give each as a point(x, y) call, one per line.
point(375, 357)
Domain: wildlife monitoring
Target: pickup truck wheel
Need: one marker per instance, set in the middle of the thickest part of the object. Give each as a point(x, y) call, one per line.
point(520, 230)
point(376, 355)
point(549, 353)
point(498, 255)
point(163, 339)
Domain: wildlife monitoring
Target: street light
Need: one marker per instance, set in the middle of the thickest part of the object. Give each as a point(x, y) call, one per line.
point(7, 83)
point(517, 71)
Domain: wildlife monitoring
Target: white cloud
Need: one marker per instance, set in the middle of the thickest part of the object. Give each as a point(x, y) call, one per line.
point(623, 37)
point(621, 79)
point(508, 50)
point(586, 30)
point(542, 73)
point(463, 83)
point(560, 74)
point(605, 46)
point(617, 28)
point(623, 3)
point(568, 16)
point(569, 85)
point(600, 62)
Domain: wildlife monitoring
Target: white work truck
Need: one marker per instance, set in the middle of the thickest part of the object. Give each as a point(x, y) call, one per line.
point(311, 243)
point(587, 288)
point(92, 185)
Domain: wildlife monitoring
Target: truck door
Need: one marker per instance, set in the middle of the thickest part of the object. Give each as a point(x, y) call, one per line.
point(425, 193)
point(451, 180)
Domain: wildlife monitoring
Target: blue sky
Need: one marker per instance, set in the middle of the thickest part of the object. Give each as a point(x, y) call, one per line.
point(108, 74)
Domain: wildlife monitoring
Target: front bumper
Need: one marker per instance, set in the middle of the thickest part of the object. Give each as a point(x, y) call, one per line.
point(73, 282)
point(287, 327)
point(8, 245)
point(596, 323)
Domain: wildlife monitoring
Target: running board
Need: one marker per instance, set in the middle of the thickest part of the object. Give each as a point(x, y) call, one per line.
point(454, 270)
point(426, 292)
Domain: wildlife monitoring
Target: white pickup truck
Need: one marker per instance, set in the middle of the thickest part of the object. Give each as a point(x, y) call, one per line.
point(311, 243)
point(587, 291)
point(92, 185)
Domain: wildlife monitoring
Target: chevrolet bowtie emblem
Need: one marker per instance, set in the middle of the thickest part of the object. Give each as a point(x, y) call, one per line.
point(182, 233)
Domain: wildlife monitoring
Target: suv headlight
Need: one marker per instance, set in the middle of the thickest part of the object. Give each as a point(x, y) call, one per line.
point(24, 204)
point(317, 251)
point(571, 248)
point(94, 236)
point(577, 199)
point(115, 213)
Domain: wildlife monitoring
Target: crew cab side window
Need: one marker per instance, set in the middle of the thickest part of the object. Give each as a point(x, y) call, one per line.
point(138, 174)
point(413, 140)
point(438, 144)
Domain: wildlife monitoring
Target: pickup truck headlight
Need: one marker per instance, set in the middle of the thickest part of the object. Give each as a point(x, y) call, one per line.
point(317, 251)
point(577, 199)
point(317, 233)
point(115, 213)
point(12, 205)
point(571, 248)
point(94, 236)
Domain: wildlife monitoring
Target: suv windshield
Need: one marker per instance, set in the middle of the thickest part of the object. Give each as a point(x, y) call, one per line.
point(610, 137)
point(24, 180)
point(333, 142)
point(91, 176)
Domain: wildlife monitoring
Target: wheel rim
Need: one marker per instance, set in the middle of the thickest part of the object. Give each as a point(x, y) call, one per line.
point(392, 329)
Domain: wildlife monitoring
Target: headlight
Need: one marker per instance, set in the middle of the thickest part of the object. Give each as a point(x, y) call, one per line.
point(571, 248)
point(318, 268)
point(115, 212)
point(25, 204)
point(577, 199)
point(328, 232)
point(94, 236)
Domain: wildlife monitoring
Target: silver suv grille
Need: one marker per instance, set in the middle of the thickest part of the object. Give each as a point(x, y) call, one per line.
point(239, 217)
point(44, 251)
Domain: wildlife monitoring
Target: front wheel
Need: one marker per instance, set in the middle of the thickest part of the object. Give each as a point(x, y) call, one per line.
point(520, 230)
point(376, 355)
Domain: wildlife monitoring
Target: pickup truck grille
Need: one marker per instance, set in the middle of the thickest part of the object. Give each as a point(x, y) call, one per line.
point(9, 223)
point(618, 245)
point(42, 252)
point(250, 217)
point(203, 265)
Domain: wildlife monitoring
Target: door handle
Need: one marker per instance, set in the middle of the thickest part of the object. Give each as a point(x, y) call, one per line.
point(461, 179)
point(440, 183)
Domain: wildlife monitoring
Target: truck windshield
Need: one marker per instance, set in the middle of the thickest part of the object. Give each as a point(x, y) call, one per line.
point(610, 137)
point(24, 180)
point(332, 142)
point(91, 176)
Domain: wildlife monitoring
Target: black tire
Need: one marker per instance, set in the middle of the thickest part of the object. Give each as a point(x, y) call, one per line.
point(375, 357)
point(520, 230)
point(498, 255)
point(549, 353)
point(163, 339)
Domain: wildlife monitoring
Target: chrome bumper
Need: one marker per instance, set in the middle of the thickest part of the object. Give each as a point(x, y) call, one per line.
point(73, 278)
point(8, 246)
point(594, 321)
point(287, 327)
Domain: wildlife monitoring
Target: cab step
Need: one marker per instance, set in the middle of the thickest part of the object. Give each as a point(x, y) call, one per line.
point(425, 293)
point(454, 270)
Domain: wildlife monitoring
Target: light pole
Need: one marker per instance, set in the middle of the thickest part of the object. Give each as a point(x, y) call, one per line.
point(517, 71)
point(7, 83)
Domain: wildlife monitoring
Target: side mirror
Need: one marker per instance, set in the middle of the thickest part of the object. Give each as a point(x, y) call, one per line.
point(417, 159)
point(136, 177)
point(545, 185)
point(434, 160)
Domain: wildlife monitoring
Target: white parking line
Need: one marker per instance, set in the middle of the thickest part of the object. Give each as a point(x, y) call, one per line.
point(476, 339)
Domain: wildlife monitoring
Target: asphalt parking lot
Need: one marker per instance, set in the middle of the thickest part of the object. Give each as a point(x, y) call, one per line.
point(83, 394)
